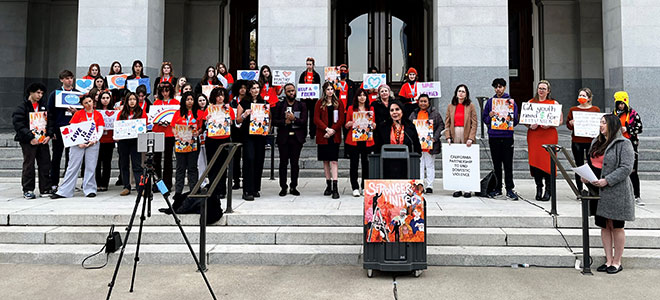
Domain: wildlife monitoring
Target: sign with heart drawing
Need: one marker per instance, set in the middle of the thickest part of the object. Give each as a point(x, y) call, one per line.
point(84, 85)
point(373, 80)
point(247, 75)
point(281, 78)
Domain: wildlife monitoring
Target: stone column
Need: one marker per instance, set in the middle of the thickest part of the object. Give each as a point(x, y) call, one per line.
point(122, 31)
point(632, 56)
point(14, 16)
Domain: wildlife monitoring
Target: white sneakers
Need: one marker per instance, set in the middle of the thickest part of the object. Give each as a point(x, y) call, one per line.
point(638, 202)
point(356, 193)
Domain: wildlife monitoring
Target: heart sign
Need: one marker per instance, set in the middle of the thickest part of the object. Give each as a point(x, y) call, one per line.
point(66, 99)
point(109, 113)
point(247, 74)
point(65, 131)
point(373, 81)
point(84, 85)
point(117, 81)
point(281, 78)
point(70, 99)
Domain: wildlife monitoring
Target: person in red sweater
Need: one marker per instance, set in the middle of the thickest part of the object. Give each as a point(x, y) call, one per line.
point(164, 96)
point(128, 154)
point(268, 92)
point(579, 144)
point(103, 167)
point(208, 79)
point(329, 117)
point(221, 69)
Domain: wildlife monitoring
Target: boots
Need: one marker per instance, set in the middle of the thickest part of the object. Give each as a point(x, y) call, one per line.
point(335, 192)
point(539, 191)
point(546, 195)
point(328, 188)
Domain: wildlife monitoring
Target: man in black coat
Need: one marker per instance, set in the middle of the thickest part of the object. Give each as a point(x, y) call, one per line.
point(58, 117)
point(290, 118)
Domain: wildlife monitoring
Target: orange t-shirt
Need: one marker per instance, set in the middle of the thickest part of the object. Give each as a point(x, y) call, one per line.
point(623, 118)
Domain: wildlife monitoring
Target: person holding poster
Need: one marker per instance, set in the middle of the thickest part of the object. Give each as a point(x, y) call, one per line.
point(611, 158)
point(461, 122)
point(579, 144)
point(187, 125)
point(29, 120)
point(425, 111)
point(537, 136)
point(373, 93)
point(221, 70)
point(166, 74)
point(208, 79)
point(254, 150)
point(239, 92)
point(88, 152)
point(631, 126)
point(329, 117)
point(218, 113)
point(290, 118)
point(137, 73)
point(359, 140)
point(107, 145)
point(309, 76)
point(268, 92)
point(58, 117)
point(500, 138)
point(381, 106)
point(93, 71)
point(163, 161)
point(115, 69)
point(129, 158)
point(408, 92)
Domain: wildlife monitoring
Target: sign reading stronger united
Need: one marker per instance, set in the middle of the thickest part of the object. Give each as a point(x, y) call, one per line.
point(394, 211)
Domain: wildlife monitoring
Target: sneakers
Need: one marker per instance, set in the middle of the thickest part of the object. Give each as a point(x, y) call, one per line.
point(91, 195)
point(29, 195)
point(294, 191)
point(511, 194)
point(495, 193)
point(356, 193)
point(125, 192)
point(47, 193)
point(639, 202)
point(429, 190)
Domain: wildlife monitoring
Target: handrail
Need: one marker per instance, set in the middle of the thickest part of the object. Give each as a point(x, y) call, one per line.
point(552, 150)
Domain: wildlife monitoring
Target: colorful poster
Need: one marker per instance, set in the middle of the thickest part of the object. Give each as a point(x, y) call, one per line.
point(363, 126)
point(84, 85)
point(394, 211)
point(260, 119)
point(117, 81)
point(218, 120)
point(280, 78)
point(109, 117)
point(207, 89)
point(78, 133)
point(331, 74)
point(247, 75)
point(308, 91)
point(504, 114)
point(132, 84)
point(373, 80)
point(541, 114)
point(425, 133)
point(162, 113)
point(222, 80)
point(129, 129)
point(38, 122)
point(431, 88)
point(460, 168)
point(184, 140)
point(66, 99)
point(586, 124)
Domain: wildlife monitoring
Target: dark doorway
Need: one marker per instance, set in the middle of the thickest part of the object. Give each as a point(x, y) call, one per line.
point(242, 34)
point(521, 72)
point(386, 34)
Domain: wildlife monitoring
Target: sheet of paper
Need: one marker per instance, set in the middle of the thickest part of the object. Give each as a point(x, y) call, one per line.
point(585, 172)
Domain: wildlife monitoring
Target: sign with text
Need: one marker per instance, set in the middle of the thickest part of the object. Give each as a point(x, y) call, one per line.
point(373, 80)
point(460, 168)
point(308, 91)
point(363, 126)
point(280, 77)
point(425, 133)
point(78, 133)
point(431, 88)
point(259, 119)
point(129, 129)
point(503, 117)
point(247, 75)
point(586, 124)
point(132, 84)
point(117, 81)
point(84, 85)
point(162, 113)
point(540, 114)
point(66, 99)
point(394, 211)
point(38, 122)
point(109, 117)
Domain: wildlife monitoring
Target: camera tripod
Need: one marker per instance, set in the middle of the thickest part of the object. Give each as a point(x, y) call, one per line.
point(145, 196)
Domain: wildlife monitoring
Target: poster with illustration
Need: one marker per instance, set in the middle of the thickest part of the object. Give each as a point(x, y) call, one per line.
point(373, 80)
point(109, 117)
point(504, 114)
point(117, 81)
point(129, 129)
point(66, 99)
point(425, 133)
point(38, 123)
point(162, 113)
point(133, 84)
point(78, 133)
point(184, 140)
point(218, 120)
point(394, 211)
point(84, 85)
point(281, 77)
point(260, 119)
point(247, 75)
point(331, 74)
point(362, 126)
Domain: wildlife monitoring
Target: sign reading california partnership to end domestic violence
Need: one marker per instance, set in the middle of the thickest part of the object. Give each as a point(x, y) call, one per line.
point(540, 114)
point(460, 168)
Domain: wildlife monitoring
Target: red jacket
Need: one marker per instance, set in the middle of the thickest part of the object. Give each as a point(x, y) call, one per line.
point(321, 122)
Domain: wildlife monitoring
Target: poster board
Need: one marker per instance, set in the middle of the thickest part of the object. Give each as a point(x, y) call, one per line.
point(129, 129)
point(109, 117)
point(184, 141)
point(162, 113)
point(394, 211)
point(38, 123)
point(373, 80)
point(425, 133)
point(218, 120)
point(460, 168)
point(207, 89)
point(78, 133)
point(362, 126)
point(66, 99)
point(431, 88)
point(117, 81)
point(133, 84)
point(541, 114)
point(308, 91)
point(259, 119)
point(222, 80)
point(504, 114)
point(282, 77)
point(586, 124)
point(247, 75)
point(331, 74)
point(84, 85)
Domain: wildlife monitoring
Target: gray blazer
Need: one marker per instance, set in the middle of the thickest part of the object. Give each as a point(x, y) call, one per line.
point(617, 201)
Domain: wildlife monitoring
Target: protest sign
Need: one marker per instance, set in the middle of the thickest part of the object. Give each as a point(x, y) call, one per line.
point(207, 89)
point(373, 80)
point(540, 114)
point(586, 124)
point(460, 168)
point(78, 133)
point(362, 126)
point(431, 88)
point(259, 119)
point(129, 129)
point(162, 113)
point(222, 80)
point(504, 114)
point(247, 75)
point(117, 81)
point(84, 85)
point(331, 74)
point(280, 78)
point(308, 91)
point(38, 122)
point(109, 117)
point(425, 133)
point(218, 120)
point(184, 141)
point(132, 84)
point(394, 211)
point(66, 99)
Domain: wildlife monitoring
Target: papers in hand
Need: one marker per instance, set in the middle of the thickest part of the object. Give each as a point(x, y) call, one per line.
point(585, 172)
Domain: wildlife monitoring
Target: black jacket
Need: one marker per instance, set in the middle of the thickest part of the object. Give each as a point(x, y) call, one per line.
point(21, 120)
point(410, 139)
point(316, 80)
point(279, 117)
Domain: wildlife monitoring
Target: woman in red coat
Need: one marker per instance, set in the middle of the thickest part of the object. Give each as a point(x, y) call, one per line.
point(329, 118)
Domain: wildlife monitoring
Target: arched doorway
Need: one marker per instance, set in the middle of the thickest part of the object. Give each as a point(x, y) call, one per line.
point(242, 33)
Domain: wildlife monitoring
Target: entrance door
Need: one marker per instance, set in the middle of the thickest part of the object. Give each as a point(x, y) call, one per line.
point(242, 34)
point(521, 72)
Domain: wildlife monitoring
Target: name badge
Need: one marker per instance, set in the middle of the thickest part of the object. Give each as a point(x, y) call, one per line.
point(267, 97)
point(343, 97)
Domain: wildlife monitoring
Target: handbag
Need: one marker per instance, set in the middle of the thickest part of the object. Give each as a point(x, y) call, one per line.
point(488, 184)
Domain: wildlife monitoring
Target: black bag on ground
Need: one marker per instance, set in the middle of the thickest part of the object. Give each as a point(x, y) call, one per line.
point(488, 184)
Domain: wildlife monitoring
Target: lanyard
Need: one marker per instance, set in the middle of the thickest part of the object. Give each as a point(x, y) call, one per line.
point(414, 92)
point(266, 87)
point(342, 86)
point(143, 105)
point(88, 116)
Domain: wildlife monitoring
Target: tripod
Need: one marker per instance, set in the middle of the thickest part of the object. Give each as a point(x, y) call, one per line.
point(145, 196)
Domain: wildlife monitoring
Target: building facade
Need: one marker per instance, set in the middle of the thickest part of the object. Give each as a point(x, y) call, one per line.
point(606, 45)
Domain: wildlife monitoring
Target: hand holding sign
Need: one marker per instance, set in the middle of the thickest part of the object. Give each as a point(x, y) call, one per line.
point(540, 114)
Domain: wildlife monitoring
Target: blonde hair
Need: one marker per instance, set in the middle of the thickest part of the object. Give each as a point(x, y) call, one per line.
point(325, 100)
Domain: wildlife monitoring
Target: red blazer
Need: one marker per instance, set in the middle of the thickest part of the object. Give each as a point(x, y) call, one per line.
point(321, 122)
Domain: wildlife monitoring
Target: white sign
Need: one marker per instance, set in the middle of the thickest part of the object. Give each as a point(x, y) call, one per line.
point(66, 99)
point(280, 78)
point(78, 133)
point(162, 113)
point(308, 91)
point(129, 129)
point(247, 75)
point(109, 117)
point(540, 114)
point(207, 89)
point(133, 84)
point(431, 88)
point(373, 80)
point(84, 85)
point(460, 168)
point(117, 81)
point(586, 124)
point(222, 80)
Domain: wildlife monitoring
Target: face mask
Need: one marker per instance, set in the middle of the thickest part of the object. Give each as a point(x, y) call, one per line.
point(343, 75)
point(582, 100)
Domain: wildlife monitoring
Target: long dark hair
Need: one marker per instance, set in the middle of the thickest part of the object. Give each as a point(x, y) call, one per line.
point(356, 104)
point(126, 110)
point(161, 87)
point(183, 110)
point(262, 79)
point(205, 78)
point(135, 63)
point(112, 68)
point(602, 141)
point(111, 104)
point(467, 101)
point(248, 95)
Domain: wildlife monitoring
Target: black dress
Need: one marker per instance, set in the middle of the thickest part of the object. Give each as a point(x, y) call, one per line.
point(330, 151)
